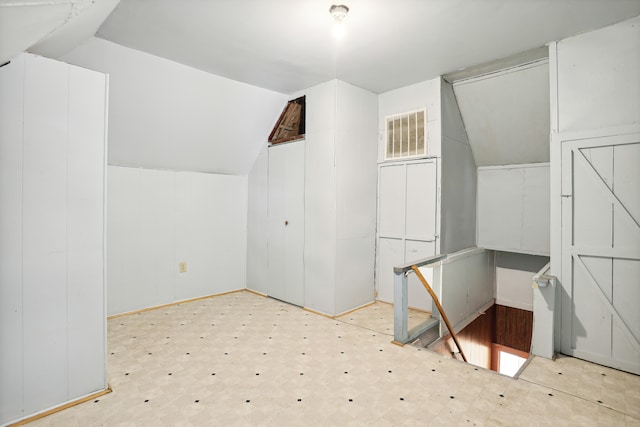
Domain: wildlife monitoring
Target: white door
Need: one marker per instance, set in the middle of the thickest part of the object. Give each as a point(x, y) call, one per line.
point(286, 222)
point(406, 224)
point(601, 250)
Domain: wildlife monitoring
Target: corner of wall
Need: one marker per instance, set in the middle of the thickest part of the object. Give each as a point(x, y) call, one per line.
point(458, 198)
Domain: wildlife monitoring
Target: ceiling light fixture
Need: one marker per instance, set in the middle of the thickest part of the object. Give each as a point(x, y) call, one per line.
point(338, 13)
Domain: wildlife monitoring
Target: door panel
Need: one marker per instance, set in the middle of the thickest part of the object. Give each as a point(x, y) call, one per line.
point(601, 250)
point(294, 226)
point(421, 201)
point(407, 209)
point(286, 223)
point(391, 208)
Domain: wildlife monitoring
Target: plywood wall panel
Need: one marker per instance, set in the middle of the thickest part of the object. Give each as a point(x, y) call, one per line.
point(514, 327)
point(45, 233)
point(11, 113)
point(85, 232)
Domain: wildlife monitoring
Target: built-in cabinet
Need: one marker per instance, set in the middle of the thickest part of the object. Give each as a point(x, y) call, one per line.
point(426, 206)
point(321, 205)
point(52, 245)
point(407, 214)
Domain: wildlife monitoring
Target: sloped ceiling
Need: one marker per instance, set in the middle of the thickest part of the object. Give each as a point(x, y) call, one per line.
point(506, 115)
point(49, 27)
point(286, 45)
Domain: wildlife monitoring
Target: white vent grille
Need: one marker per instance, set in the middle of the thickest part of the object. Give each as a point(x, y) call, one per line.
point(406, 135)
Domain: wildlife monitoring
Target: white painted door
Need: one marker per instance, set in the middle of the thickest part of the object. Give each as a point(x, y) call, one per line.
point(286, 222)
point(407, 213)
point(601, 250)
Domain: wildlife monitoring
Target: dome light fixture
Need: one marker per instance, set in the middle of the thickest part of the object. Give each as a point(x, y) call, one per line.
point(338, 13)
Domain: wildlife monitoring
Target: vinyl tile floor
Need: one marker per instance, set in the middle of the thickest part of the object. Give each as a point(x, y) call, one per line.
point(378, 317)
point(241, 359)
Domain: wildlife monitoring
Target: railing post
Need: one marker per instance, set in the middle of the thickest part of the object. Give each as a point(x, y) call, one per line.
point(400, 308)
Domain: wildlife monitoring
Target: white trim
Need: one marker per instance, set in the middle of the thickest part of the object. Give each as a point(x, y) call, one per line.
point(504, 71)
point(515, 166)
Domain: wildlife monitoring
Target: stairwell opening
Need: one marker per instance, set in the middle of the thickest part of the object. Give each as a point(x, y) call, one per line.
point(498, 339)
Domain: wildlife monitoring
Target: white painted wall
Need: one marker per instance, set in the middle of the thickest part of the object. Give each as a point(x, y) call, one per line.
point(421, 95)
point(356, 172)
point(257, 224)
point(457, 178)
point(514, 278)
point(320, 198)
point(158, 218)
point(166, 115)
point(464, 282)
point(52, 169)
point(513, 208)
point(506, 114)
point(597, 79)
point(513, 288)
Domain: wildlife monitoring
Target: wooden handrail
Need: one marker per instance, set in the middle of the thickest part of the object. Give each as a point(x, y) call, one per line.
point(440, 309)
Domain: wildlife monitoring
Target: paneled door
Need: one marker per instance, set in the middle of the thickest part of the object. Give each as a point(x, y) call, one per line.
point(286, 222)
point(601, 250)
point(407, 199)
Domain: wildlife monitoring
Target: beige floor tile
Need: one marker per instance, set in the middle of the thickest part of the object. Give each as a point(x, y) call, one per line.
point(241, 359)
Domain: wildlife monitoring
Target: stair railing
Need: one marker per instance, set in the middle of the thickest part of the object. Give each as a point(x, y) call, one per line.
point(440, 308)
point(401, 332)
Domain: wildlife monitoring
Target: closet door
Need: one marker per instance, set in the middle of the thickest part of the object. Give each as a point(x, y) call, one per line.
point(407, 212)
point(286, 222)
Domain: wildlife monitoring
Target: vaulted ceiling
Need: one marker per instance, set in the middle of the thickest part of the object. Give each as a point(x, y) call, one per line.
point(286, 45)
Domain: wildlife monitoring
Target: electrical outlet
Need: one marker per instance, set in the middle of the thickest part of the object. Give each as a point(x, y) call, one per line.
point(182, 266)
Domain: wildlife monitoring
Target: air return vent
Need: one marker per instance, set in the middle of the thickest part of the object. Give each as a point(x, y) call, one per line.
point(406, 135)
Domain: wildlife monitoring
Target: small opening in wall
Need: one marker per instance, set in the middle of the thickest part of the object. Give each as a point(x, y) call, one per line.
point(291, 125)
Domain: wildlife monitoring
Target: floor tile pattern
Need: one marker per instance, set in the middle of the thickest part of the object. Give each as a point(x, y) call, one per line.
point(241, 359)
point(378, 317)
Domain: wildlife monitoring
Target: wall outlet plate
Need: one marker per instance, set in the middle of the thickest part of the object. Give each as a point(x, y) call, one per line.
point(182, 266)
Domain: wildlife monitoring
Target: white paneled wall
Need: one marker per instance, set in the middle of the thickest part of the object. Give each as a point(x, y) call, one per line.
point(355, 196)
point(257, 223)
point(158, 219)
point(465, 285)
point(513, 208)
point(52, 330)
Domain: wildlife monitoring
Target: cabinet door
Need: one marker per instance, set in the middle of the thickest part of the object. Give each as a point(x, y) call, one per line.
point(421, 201)
point(391, 206)
point(286, 222)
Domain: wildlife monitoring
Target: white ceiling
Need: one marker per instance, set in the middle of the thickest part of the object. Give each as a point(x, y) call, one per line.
point(286, 45)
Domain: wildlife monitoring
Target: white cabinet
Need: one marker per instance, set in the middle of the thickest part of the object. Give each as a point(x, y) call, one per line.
point(407, 207)
point(286, 222)
point(513, 208)
point(321, 206)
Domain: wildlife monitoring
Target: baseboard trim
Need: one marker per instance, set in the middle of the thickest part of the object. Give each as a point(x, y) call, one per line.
point(61, 407)
point(260, 294)
point(319, 313)
point(157, 307)
point(369, 304)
